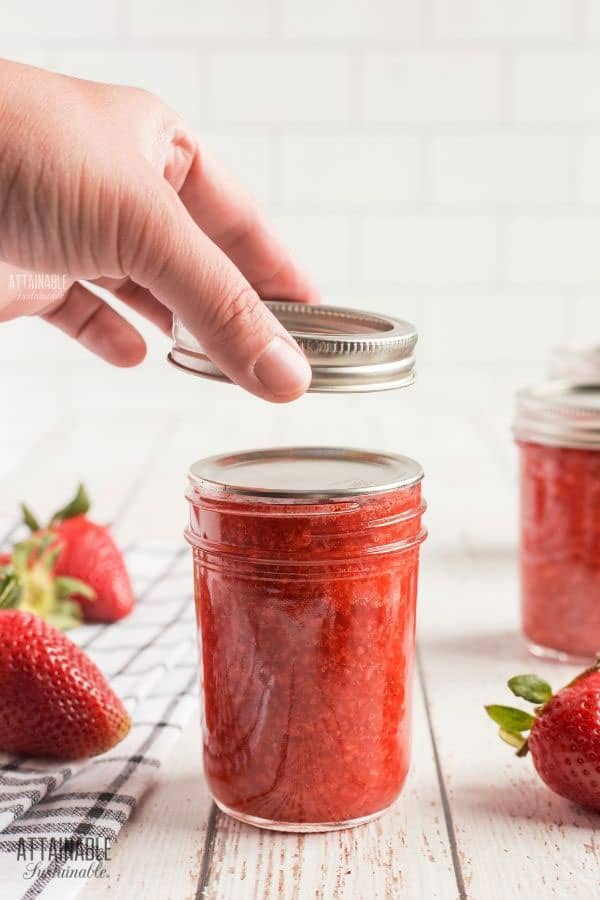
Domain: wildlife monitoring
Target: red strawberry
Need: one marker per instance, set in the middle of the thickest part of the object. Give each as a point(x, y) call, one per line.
point(90, 554)
point(54, 701)
point(564, 733)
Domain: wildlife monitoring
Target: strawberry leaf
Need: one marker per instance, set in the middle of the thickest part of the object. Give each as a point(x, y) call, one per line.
point(29, 518)
point(66, 615)
point(9, 588)
point(509, 718)
point(68, 587)
point(22, 553)
point(514, 738)
point(531, 688)
point(44, 541)
point(51, 556)
point(78, 506)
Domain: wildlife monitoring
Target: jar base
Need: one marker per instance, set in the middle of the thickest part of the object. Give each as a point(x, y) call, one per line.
point(559, 656)
point(299, 827)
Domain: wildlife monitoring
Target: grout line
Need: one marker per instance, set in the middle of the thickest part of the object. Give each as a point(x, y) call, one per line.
point(275, 23)
point(426, 189)
point(458, 874)
point(400, 127)
point(570, 316)
point(503, 226)
point(580, 10)
point(427, 24)
point(208, 852)
point(575, 151)
point(357, 107)
point(414, 45)
point(506, 89)
point(276, 162)
point(433, 209)
point(124, 19)
point(354, 248)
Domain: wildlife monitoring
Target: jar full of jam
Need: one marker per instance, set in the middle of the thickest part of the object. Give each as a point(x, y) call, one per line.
point(305, 567)
point(557, 428)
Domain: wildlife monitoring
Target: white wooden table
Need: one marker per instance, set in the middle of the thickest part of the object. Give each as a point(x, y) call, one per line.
point(473, 820)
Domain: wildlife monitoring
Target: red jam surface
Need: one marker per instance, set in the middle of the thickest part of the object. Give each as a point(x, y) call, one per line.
point(307, 617)
point(560, 548)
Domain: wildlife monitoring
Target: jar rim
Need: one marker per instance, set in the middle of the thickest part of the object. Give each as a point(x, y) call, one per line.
point(303, 474)
point(560, 413)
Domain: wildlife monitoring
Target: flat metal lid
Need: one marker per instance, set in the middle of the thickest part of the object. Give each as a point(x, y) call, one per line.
point(304, 473)
point(349, 350)
point(560, 413)
point(576, 362)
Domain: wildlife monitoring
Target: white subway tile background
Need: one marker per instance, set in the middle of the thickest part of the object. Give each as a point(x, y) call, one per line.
point(438, 159)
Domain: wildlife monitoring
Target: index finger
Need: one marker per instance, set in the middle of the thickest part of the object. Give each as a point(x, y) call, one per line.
point(230, 217)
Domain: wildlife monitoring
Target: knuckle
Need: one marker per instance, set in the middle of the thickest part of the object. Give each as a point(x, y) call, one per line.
point(238, 313)
point(140, 95)
point(156, 111)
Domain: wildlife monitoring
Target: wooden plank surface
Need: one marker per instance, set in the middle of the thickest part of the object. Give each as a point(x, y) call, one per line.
point(405, 853)
point(473, 821)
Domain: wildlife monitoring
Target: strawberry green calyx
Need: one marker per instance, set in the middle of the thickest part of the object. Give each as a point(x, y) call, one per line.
point(9, 588)
point(563, 737)
point(531, 688)
point(29, 519)
point(510, 718)
point(78, 506)
point(514, 722)
point(28, 583)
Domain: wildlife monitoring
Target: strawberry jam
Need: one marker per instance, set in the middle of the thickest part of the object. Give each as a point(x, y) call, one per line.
point(558, 433)
point(560, 548)
point(305, 564)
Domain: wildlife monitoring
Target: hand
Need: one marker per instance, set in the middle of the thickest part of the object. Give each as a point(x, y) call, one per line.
point(107, 184)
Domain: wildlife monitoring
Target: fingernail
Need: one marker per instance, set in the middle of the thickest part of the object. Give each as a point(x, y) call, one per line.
point(283, 371)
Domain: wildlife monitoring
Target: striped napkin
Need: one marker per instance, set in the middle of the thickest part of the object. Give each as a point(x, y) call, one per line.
point(57, 820)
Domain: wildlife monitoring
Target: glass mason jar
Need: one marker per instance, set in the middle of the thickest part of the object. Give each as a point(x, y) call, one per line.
point(557, 428)
point(305, 572)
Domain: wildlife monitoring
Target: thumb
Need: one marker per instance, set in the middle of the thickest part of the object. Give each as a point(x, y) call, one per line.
point(191, 276)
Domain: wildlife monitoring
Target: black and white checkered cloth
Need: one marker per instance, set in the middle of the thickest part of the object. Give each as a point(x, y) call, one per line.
point(150, 660)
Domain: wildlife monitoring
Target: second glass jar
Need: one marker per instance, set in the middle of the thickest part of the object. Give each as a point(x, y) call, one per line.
point(557, 428)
